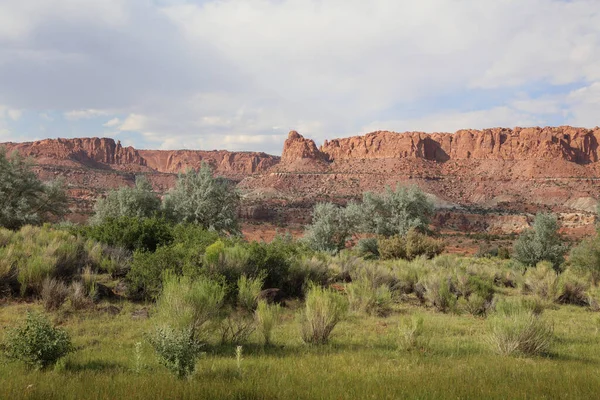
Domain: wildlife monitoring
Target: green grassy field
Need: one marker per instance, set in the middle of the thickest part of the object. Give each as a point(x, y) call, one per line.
point(362, 361)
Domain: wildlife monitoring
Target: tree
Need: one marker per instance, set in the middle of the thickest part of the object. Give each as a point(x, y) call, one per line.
point(24, 199)
point(332, 226)
point(542, 243)
point(396, 211)
point(586, 258)
point(136, 202)
point(200, 198)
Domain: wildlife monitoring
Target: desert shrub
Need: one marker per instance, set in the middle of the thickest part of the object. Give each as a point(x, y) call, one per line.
point(78, 296)
point(131, 233)
point(176, 349)
point(279, 260)
point(36, 253)
point(438, 291)
point(145, 277)
point(191, 305)
point(395, 212)
point(230, 262)
point(411, 333)
point(323, 310)
point(520, 331)
point(115, 260)
point(407, 276)
point(585, 258)
point(366, 298)
point(24, 199)
point(54, 294)
point(368, 248)
point(572, 289)
point(542, 243)
point(267, 317)
point(248, 291)
point(542, 281)
point(201, 199)
point(475, 304)
point(332, 226)
point(239, 323)
point(37, 343)
point(392, 248)
point(419, 244)
point(137, 202)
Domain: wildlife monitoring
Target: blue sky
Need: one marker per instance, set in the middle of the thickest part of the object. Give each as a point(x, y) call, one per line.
point(239, 74)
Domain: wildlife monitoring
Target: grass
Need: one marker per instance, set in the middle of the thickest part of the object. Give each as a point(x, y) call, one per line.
point(361, 361)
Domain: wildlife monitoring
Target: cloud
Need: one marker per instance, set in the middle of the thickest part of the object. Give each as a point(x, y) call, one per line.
point(112, 123)
point(75, 115)
point(241, 73)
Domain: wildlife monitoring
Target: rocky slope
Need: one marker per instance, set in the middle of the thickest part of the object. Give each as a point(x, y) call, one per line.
point(491, 180)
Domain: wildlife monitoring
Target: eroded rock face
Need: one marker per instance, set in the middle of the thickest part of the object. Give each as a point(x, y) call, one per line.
point(84, 150)
point(296, 148)
point(105, 152)
point(566, 143)
point(223, 162)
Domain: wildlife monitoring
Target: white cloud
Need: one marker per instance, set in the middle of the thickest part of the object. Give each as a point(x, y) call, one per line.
point(75, 115)
point(15, 115)
point(134, 122)
point(451, 121)
point(112, 123)
point(235, 73)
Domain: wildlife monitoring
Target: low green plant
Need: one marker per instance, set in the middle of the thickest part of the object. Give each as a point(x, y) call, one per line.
point(411, 333)
point(515, 329)
point(176, 349)
point(438, 291)
point(364, 297)
point(54, 294)
point(323, 310)
point(267, 317)
point(37, 343)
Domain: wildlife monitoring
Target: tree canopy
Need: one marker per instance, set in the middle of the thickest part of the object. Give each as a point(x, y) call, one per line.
point(24, 199)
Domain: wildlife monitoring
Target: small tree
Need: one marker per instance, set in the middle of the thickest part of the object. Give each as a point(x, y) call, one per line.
point(37, 343)
point(542, 243)
point(396, 211)
point(586, 258)
point(200, 198)
point(332, 226)
point(136, 202)
point(24, 199)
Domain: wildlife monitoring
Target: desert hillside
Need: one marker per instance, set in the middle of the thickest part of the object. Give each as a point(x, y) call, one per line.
point(489, 180)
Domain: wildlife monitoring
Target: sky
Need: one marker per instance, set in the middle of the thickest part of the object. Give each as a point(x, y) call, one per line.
point(240, 74)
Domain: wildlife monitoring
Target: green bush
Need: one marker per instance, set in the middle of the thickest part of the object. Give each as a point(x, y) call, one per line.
point(54, 294)
point(24, 199)
point(248, 291)
point(176, 349)
point(332, 226)
point(396, 211)
point(37, 343)
point(267, 317)
point(542, 243)
point(131, 233)
point(438, 291)
point(199, 198)
point(33, 254)
point(520, 331)
point(411, 333)
point(323, 310)
point(136, 202)
point(146, 275)
point(542, 281)
point(364, 297)
point(368, 248)
point(190, 305)
point(392, 248)
point(585, 258)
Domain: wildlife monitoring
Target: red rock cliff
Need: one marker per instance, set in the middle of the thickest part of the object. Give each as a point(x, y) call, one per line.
point(296, 148)
point(571, 144)
point(83, 150)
